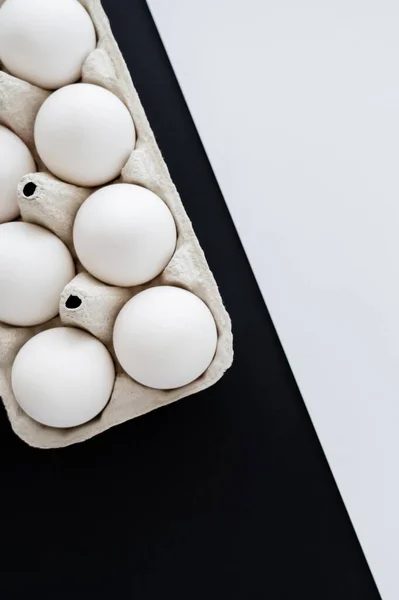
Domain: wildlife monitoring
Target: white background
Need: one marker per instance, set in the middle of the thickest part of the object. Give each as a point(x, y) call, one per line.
point(297, 103)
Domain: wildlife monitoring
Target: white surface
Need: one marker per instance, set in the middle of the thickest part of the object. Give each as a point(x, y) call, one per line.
point(15, 162)
point(84, 134)
point(35, 266)
point(63, 377)
point(165, 337)
point(310, 175)
point(124, 235)
point(45, 42)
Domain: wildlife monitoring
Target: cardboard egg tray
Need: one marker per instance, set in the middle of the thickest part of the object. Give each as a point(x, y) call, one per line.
point(54, 204)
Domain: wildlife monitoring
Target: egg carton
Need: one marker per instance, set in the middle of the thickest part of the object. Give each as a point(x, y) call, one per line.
point(85, 302)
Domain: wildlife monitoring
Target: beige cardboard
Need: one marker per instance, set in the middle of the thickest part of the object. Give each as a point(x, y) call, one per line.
point(54, 205)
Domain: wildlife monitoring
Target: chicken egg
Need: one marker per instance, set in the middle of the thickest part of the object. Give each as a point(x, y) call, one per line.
point(45, 42)
point(165, 337)
point(15, 162)
point(84, 134)
point(63, 377)
point(35, 266)
point(124, 235)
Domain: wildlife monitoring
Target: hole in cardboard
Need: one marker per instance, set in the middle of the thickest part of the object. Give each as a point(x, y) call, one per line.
point(73, 302)
point(29, 189)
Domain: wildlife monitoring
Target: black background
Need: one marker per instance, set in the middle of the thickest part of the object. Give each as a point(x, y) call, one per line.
point(222, 495)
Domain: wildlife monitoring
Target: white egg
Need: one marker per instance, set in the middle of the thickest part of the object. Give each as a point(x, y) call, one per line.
point(165, 337)
point(45, 42)
point(63, 377)
point(84, 134)
point(124, 235)
point(35, 266)
point(15, 162)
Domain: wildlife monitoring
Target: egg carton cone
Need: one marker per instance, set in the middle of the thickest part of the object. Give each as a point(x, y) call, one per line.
point(85, 302)
point(50, 203)
point(19, 104)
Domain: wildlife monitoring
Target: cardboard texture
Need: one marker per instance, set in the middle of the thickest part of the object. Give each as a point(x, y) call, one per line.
point(54, 204)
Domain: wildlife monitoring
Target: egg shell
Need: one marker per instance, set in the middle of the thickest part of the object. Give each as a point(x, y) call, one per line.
point(15, 162)
point(63, 377)
point(84, 134)
point(45, 42)
point(124, 235)
point(35, 266)
point(165, 337)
